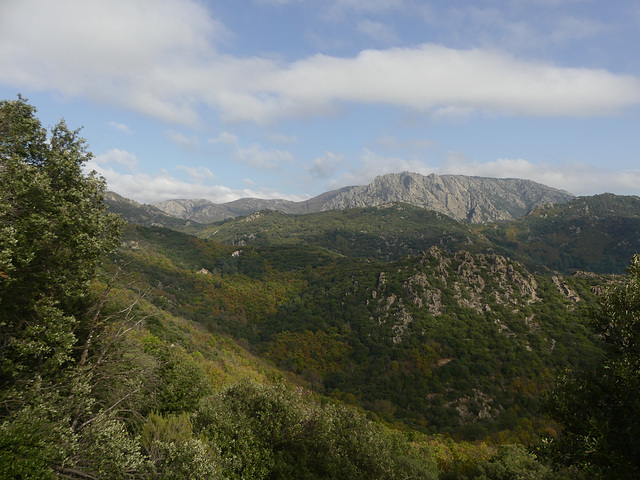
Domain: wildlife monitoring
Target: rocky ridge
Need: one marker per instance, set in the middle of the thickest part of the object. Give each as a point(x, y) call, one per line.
point(467, 199)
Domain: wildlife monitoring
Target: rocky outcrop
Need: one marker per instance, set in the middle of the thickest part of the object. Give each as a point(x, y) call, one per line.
point(198, 210)
point(480, 282)
point(468, 199)
point(134, 212)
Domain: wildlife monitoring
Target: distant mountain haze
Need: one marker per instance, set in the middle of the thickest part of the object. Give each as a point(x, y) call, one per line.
point(463, 198)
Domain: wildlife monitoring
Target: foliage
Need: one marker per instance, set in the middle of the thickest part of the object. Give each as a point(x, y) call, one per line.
point(598, 407)
point(54, 231)
point(150, 369)
point(174, 451)
point(597, 234)
point(482, 339)
point(387, 232)
point(278, 433)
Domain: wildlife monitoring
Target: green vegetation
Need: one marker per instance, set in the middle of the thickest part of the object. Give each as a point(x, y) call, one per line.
point(597, 234)
point(386, 343)
point(599, 407)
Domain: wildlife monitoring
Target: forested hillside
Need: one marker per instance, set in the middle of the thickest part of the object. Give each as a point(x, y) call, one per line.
point(443, 342)
point(384, 342)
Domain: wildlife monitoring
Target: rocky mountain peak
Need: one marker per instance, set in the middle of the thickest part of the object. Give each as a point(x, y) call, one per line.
point(467, 199)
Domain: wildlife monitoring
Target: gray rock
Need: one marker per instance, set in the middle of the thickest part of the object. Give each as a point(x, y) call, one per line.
point(467, 199)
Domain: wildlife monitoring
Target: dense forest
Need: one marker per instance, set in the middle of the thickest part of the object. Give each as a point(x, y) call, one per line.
point(387, 342)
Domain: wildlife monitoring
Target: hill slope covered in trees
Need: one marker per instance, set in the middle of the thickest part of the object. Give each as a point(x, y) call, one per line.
point(133, 351)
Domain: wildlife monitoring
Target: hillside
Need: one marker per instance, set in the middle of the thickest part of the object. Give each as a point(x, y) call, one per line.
point(360, 343)
point(385, 232)
point(134, 212)
point(598, 233)
point(466, 199)
point(423, 321)
point(442, 342)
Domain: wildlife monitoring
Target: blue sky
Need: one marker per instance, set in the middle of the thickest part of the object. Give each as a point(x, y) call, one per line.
point(291, 98)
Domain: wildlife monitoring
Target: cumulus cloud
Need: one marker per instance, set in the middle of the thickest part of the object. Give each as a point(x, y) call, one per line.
point(500, 27)
point(117, 157)
point(282, 138)
point(433, 76)
point(373, 6)
point(578, 178)
point(161, 58)
point(257, 157)
point(147, 188)
point(225, 138)
point(325, 167)
point(119, 51)
point(254, 155)
point(371, 164)
point(197, 174)
point(389, 142)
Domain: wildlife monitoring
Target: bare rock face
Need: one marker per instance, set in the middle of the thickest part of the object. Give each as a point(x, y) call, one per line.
point(479, 282)
point(467, 199)
point(198, 210)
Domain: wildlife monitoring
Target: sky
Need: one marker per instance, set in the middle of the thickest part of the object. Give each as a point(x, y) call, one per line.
point(225, 99)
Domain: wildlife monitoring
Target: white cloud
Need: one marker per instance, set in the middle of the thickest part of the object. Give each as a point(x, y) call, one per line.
point(527, 28)
point(325, 167)
point(257, 157)
point(431, 77)
point(109, 50)
point(282, 138)
point(574, 28)
point(147, 188)
point(577, 177)
point(187, 143)
point(197, 174)
point(225, 138)
point(370, 6)
point(389, 142)
point(378, 31)
point(118, 157)
point(160, 58)
point(371, 164)
point(254, 155)
point(121, 127)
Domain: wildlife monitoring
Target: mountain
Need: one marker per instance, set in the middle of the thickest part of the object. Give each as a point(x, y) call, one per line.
point(424, 321)
point(451, 342)
point(466, 199)
point(140, 214)
point(597, 233)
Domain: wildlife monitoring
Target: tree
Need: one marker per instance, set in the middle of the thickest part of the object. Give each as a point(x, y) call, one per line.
point(600, 408)
point(54, 229)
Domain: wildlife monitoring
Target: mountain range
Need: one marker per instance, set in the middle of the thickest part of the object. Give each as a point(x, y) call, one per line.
point(403, 297)
point(463, 198)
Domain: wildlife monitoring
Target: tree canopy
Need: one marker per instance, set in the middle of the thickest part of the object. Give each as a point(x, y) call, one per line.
point(599, 408)
point(54, 229)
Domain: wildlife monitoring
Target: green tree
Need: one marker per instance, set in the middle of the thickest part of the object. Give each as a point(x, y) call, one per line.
point(54, 231)
point(600, 408)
